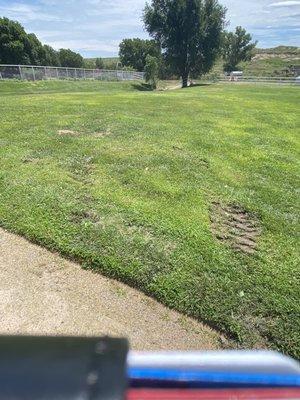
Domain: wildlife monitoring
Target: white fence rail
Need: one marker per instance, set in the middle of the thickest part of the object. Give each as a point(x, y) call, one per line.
point(261, 79)
point(37, 73)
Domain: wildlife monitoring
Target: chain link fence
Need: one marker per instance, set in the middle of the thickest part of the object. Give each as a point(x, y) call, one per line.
point(37, 73)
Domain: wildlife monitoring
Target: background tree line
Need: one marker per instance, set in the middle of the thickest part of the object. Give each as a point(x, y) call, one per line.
point(19, 47)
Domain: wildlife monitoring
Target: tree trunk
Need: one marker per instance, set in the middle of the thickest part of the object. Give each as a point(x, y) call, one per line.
point(185, 78)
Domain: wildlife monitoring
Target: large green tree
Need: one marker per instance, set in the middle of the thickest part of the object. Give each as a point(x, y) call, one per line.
point(133, 52)
point(51, 56)
point(35, 49)
point(189, 32)
point(18, 47)
point(69, 58)
point(14, 43)
point(237, 47)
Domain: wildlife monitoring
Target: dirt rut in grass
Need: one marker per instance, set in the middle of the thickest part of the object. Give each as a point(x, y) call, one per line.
point(42, 293)
point(236, 227)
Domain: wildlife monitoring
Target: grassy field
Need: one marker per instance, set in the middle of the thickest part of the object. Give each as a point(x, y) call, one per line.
point(190, 195)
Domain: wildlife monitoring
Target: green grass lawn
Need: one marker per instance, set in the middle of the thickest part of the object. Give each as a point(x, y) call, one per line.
point(131, 192)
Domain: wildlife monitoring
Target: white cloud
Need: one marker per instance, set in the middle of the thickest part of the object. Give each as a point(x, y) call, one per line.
point(96, 27)
point(86, 45)
point(271, 26)
point(25, 13)
point(285, 4)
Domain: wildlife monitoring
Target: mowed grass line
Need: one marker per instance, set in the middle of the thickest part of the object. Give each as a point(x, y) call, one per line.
point(129, 192)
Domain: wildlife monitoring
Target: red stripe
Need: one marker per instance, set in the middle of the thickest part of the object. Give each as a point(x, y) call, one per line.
point(234, 394)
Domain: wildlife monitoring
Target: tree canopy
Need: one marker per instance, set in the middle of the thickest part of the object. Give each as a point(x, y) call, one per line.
point(69, 58)
point(99, 63)
point(15, 44)
point(133, 52)
point(51, 56)
point(19, 47)
point(189, 32)
point(237, 47)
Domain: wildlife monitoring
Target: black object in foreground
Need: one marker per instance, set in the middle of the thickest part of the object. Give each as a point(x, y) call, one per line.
point(48, 368)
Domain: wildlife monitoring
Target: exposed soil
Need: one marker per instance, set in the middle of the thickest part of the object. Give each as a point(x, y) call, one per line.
point(80, 216)
point(66, 132)
point(283, 56)
point(102, 134)
point(42, 293)
point(235, 226)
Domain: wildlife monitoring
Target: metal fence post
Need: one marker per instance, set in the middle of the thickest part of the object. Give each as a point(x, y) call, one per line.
point(33, 73)
point(57, 73)
point(20, 72)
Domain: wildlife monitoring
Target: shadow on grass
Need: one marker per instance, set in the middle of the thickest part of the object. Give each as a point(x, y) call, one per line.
point(142, 87)
point(200, 84)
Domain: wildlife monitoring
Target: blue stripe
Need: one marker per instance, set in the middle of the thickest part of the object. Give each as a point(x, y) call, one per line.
point(217, 378)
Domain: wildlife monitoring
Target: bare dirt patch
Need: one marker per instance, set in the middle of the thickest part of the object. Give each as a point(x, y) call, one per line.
point(42, 293)
point(81, 168)
point(102, 134)
point(30, 160)
point(85, 215)
point(236, 227)
point(67, 132)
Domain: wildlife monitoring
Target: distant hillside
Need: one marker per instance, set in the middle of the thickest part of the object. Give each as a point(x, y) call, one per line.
point(109, 62)
point(276, 61)
point(281, 50)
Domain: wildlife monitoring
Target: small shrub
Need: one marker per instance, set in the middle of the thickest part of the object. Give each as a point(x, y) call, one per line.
point(151, 71)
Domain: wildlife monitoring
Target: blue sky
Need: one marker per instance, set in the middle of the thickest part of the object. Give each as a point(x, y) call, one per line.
point(96, 27)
